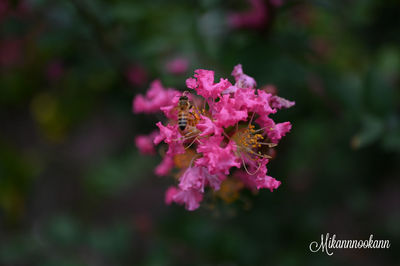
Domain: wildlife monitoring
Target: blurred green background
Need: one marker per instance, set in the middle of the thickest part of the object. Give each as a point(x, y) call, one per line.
point(75, 191)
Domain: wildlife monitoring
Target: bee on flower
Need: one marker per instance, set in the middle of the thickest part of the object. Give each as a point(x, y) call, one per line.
point(217, 134)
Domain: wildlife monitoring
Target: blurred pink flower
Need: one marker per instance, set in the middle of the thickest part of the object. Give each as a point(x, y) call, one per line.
point(144, 224)
point(177, 66)
point(4, 7)
point(136, 75)
point(165, 166)
point(19, 9)
point(10, 52)
point(145, 143)
point(276, 3)
point(22, 9)
point(169, 194)
point(256, 17)
point(54, 70)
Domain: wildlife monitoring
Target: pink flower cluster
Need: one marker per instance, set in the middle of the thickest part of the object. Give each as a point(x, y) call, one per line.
point(229, 134)
point(257, 15)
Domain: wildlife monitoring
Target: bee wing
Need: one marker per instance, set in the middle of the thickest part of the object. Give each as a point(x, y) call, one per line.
point(194, 109)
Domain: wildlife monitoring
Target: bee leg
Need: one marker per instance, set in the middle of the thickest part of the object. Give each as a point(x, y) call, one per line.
point(188, 135)
point(197, 138)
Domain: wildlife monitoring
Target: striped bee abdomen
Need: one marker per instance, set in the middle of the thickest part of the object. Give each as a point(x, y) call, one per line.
point(182, 120)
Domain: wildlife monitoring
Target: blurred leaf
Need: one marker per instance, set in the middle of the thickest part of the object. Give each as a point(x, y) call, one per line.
point(63, 230)
point(372, 129)
point(111, 242)
point(114, 175)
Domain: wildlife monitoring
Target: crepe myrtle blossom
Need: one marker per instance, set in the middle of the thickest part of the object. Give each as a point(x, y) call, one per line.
point(226, 143)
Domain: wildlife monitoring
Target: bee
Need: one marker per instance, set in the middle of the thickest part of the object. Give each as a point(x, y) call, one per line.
point(184, 107)
point(188, 117)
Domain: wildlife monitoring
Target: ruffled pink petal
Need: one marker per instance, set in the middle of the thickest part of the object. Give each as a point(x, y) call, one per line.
point(231, 89)
point(279, 103)
point(193, 178)
point(145, 143)
point(169, 195)
point(259, 179)
point(267, 182)
point(226, 113)
point(262, 169)
point(156, 97)
point(274, 131)
point(208, 127)
point(264, 107)
point(279, 131)
point(204, 84)
point(139, 104)
point(166, 133)
point(191, 199)
point(175, 148)
point(218, 160)
point(265, 122)
point(242, 80)
point(197, 177)
point(246, 99)
point(191, 83)
point(214, 180)
point(170, 135)
point(170, 111)
point(165, 166)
